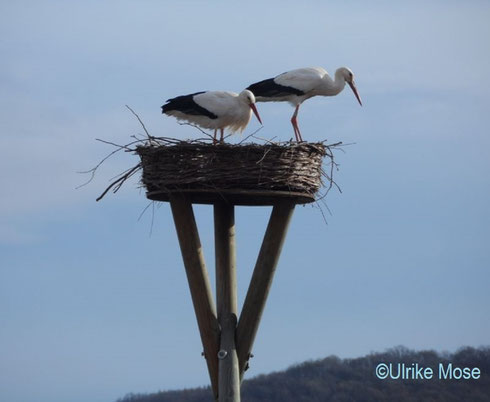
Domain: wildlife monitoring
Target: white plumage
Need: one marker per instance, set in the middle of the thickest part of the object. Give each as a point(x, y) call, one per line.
point(296, 86)
point(214, 110)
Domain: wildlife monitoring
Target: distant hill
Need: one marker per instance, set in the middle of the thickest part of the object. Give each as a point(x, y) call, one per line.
point(352, 380)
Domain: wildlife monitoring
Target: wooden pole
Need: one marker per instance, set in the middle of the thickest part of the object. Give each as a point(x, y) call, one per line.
point(226, 299)
point(198, 279)
point(261, 281)
point(228, 345)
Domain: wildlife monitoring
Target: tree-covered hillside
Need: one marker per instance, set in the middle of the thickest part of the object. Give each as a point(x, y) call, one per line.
point(338, 380)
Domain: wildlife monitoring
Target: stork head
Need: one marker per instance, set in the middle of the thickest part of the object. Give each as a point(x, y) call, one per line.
point(248, 97)
point(348, 76)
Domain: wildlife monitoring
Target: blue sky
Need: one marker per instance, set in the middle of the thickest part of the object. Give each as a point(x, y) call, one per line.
point(92, 306)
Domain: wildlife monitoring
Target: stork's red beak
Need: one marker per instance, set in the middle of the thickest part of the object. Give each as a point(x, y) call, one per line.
point(256, 113)
point(354, 89)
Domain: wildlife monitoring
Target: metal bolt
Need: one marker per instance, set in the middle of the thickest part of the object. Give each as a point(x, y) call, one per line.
point(222, 354)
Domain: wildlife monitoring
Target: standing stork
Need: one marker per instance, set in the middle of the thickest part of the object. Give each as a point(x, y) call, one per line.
point(214, 110)
point(296, 86)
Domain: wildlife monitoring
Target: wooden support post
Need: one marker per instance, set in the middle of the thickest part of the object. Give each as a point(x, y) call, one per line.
point(226, 299)
point(227, 345)
point(261, 281)
point(198, 279)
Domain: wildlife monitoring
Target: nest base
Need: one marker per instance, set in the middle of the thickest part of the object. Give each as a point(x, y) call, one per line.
point(233, 196)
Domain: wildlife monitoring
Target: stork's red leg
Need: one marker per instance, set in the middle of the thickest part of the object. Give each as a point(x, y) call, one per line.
point(294, 122)
point(214, 137)
point(299, 133)
point(222, 134)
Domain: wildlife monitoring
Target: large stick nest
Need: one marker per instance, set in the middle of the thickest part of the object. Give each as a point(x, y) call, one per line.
point(248, 174)
point(244, 174)
point(294, 167)
point(253, 170)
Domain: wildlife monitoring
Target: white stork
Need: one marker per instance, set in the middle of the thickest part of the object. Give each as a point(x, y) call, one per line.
point(214, 110)
point(296, 86)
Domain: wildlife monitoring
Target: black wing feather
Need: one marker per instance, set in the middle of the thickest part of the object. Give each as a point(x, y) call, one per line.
point(270, 89)
point(186, 104)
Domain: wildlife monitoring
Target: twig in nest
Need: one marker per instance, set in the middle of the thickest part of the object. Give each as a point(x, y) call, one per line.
point(119, 182)
point(251, 135)
point(127, 148)
point(198, 128)
point(119, 148)
point(142, 124)
point(321, 209)
point(263, 156)
point(94, 169)
point(145, 209)
point(152, 205)
point(266, 140)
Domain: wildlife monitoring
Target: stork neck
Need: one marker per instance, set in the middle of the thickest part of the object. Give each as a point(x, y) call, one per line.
point(339, 83)
point(331, 87)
